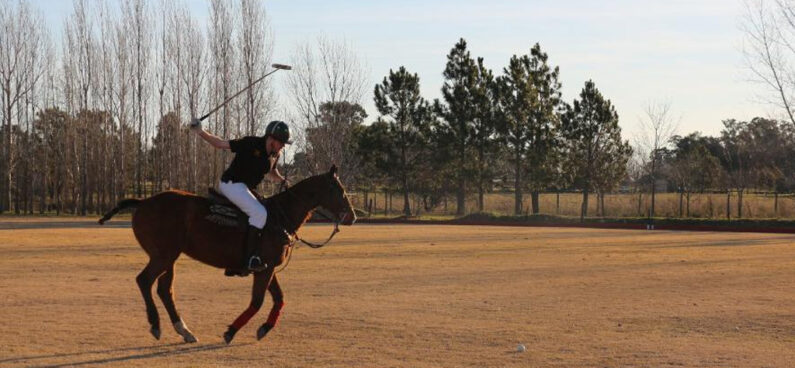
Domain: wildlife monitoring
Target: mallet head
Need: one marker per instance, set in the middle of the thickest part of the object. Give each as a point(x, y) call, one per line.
point(282, 66)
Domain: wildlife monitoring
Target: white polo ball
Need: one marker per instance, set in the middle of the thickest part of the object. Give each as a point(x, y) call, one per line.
point(521, 348)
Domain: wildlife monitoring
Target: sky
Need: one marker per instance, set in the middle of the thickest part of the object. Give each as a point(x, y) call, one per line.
point(684, 53)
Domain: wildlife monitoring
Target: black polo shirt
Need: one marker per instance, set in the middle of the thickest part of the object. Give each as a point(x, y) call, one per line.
point(251, 161)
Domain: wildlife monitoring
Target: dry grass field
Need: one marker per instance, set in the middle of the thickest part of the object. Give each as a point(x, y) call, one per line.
point(711, 205)
point(414, 296)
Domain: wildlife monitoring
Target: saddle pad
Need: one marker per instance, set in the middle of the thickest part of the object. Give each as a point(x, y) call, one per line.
point(227, 216)
point(224, 212)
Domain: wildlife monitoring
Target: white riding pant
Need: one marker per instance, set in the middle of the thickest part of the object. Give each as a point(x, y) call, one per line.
point(239, 194)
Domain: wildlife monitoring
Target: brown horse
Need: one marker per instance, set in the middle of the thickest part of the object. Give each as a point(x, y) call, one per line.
point(174, 222)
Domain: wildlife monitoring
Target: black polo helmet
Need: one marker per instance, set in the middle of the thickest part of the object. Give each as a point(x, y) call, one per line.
point(279, 131)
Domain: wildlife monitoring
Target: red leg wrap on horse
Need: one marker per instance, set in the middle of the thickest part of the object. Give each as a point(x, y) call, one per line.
point(244, 317)
point(276, 311)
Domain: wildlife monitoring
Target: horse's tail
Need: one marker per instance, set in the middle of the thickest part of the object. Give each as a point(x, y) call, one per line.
point(123, 205)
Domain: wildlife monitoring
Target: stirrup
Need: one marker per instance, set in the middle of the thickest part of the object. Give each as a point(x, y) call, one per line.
point(255, 264)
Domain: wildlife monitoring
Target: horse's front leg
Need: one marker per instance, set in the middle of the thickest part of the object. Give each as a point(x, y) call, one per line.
point(278, 304)
point(261, 280)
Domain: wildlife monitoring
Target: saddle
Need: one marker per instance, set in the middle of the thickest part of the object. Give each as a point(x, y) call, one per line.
point(225, 213)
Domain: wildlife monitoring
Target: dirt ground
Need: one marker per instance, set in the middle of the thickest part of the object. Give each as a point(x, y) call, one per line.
point(414, 296)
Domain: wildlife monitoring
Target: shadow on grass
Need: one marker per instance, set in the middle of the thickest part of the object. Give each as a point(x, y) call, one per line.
point(137, 353)
point(62, 225)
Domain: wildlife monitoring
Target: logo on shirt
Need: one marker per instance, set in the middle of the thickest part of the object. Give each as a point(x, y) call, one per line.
point(256, 153)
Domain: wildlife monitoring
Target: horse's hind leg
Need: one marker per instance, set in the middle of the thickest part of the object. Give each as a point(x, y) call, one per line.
point(145, 279)
point(166, 293)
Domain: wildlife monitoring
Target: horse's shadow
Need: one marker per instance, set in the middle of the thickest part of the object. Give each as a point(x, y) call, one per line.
point(135, 353)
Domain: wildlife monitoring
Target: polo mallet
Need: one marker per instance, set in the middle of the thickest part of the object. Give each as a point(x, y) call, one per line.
point(276, 67)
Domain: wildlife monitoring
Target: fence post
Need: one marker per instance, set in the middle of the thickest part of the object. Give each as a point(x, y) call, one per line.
point(557, 203)
point(604, 211)
point(688, 204)
point(640, 203)
point(681, 199)
point(728, 204)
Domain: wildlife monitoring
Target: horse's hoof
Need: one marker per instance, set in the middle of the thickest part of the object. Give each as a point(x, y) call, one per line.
point(230, 334)
point(183, 331)
point(263, 330)
point(155, 332)
point(191, 339)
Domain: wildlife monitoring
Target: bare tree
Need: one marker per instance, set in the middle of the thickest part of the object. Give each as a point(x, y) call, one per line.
point(195, 71)
point(47, 99)
point(166, 158)
point(255, 47)
point(117, 59)
point(104, 91)
point(769, 48)
point(79, 62)
point(176, 29)
point(21, 42)
point(135, 16)
point(657, 128)
point(222, 54)
point(122, 110)
point(35, 67)
point(81, 47)
point(327, 72)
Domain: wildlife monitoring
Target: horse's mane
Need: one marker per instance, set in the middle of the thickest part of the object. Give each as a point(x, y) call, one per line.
point(299, 192)
point(300, 188)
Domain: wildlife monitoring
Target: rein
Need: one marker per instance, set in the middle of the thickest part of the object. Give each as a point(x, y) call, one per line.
point(283, 188)
point(333, 232)
point(335, 221)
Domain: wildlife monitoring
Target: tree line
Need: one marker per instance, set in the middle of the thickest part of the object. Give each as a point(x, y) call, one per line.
point(515, 132)
point(105, 118)
point(512, 128)
point(747, 156)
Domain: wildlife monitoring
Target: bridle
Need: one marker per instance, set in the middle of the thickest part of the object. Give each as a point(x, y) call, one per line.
point(335, 220)
point(295, 238)
point(333, 232)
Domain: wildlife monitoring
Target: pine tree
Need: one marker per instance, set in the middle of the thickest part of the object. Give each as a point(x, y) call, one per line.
point(455, 130)
point(541, 158)
point(484, 129)
point(528, 97)
point(398, 97)
point(596, 155)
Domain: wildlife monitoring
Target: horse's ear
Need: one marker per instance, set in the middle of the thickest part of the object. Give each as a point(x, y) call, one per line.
point(333, 170)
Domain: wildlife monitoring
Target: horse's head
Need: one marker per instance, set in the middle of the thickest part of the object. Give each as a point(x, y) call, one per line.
point(336, 200)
